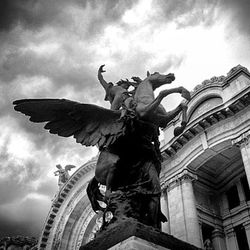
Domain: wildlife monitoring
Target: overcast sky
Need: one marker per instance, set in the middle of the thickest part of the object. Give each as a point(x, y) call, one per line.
point(54, 48)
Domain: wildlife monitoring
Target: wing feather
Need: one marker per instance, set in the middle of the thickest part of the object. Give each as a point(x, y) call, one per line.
point(89, 124)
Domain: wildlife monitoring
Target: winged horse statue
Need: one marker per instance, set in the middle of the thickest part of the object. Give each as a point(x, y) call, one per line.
point(93, 125)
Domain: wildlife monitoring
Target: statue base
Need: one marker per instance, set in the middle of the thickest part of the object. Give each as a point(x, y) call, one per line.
point(130, 234)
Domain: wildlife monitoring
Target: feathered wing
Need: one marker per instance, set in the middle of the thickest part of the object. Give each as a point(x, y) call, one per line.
point(89, 124)
point(69, 167)
point(59, 166)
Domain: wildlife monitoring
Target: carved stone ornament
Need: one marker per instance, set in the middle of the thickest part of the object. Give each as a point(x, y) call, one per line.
point(235, 69)
point(205, 83)
point(178, 179)
point(243, 139)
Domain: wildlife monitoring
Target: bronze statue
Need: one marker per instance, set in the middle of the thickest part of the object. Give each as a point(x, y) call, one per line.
point(129, 163)
point(63, 174)
point(118, 94)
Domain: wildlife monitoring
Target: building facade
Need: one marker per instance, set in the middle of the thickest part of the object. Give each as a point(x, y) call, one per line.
point(205, 175)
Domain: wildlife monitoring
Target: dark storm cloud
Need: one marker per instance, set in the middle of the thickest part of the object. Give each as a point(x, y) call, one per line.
point(25, 219)
point(30, 64)
point(29, 13)
point(10, 227)
point(35, 14)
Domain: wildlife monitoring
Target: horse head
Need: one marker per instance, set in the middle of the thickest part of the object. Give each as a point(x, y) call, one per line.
point(158, 79)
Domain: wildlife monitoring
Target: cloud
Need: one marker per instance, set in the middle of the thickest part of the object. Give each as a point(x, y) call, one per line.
point(27, 184)
point(29, 64)
point(208, 12)
point(35, 15)
point(239, 15)
point(188, 13)
point(25, 217)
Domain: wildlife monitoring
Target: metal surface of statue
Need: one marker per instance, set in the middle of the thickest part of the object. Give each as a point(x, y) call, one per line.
point(129, 163)
point(63, 174)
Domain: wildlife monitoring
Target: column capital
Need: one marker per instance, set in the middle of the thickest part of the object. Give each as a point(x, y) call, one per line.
point(243, 139)
point(246, 224)
point(184, 175)
point(217, 233)
point(230, 232)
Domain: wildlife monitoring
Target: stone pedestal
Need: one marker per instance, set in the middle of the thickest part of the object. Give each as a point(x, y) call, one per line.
point(135, 243)
point(132, 235)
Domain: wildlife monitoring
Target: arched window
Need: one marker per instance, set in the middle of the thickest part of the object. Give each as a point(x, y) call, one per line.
point(205, 106)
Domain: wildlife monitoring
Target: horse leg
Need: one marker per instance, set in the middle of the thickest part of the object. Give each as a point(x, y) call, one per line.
point(179, 130)
point(152, 107)
point(153, 207)
point(165, 118)
point(109, 180)
point(94, 195)
point(105, 169)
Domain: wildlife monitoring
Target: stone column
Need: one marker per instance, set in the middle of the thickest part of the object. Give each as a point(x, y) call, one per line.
point(231, 240)
point(165, 210)
point(243, 143)
point(241, 193)
point(218, 239)
point(200, 229)
point(176, 214)
point(183, 216)
point(247, 228)
point(189, 202)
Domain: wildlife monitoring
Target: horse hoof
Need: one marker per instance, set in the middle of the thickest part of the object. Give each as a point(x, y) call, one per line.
point(186, 94)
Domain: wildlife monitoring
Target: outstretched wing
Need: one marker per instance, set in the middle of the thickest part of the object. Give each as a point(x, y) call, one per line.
point(89, 124)
point(69, 167)
point(59, 166)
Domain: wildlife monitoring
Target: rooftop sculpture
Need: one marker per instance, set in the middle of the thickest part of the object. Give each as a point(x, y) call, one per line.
point(63, 174)
point(129, 162)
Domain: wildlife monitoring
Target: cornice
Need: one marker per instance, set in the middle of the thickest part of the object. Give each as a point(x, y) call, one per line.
point(234, 72)
point(220, 80)
point(215, 81)
point(207, 120)
point(241, 140)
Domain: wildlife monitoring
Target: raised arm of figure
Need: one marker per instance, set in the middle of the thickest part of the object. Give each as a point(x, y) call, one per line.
point(101, 79)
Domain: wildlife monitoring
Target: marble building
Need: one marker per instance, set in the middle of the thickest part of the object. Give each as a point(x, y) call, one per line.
point(205, 175)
